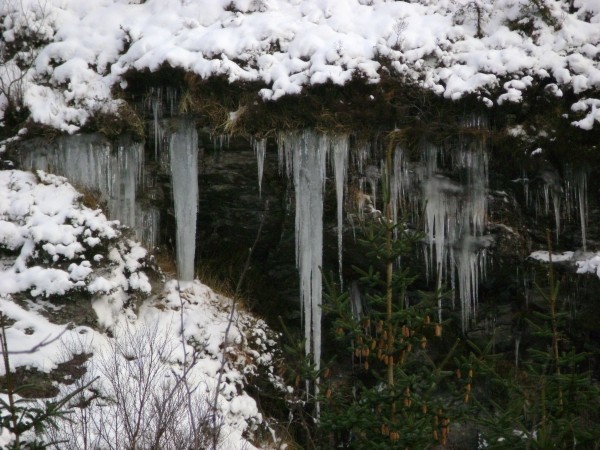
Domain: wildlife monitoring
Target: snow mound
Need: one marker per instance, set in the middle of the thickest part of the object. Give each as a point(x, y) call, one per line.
point(51, 247)
point(54, 246)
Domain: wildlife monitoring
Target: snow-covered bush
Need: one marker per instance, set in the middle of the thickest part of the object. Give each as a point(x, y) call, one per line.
point(138, 401)
point(157, 387)
point(25, 28)
point(52, 246)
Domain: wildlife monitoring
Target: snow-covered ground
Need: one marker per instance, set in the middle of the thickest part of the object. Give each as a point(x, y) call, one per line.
point(493, 48)
point(51, 246)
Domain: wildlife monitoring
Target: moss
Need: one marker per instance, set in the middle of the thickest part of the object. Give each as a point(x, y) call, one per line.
point(395, 107)
point(36, 384)
point(126, 120)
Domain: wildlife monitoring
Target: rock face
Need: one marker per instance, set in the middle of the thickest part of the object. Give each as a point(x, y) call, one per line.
point(481, 214)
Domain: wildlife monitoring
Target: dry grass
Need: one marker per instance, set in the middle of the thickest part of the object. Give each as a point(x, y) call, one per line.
point(92, 198)
point(214, 279)
point(165, 260)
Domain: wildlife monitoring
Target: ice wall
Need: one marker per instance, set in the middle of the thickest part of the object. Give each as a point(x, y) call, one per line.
point(183, 154)
point(112, 170)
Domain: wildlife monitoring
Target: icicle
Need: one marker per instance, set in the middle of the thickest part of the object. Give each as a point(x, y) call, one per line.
point(183, 151)
point(361, 155)
point(468, 280)
point(441, 213)
point(260, 148)
point(582, 197)
point(155, 101)
point(221, 141)
point(556, 205)
point(373, 175)
point(526, 188)
point(172, 100)
point(281, 154)
point(339, 146)
point(355, 300)
point(517, 345)
point(306, 158)
point(147, 223)
point(396, 187)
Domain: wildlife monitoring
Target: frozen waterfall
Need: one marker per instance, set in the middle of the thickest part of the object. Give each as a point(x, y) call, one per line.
point(112, 170)
point(183, 153)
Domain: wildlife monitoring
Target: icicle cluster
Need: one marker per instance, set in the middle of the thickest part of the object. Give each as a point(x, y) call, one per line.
point(183, 152)
point(566, 194)
point(160, 102)
point(305, 157)
point(455, 212)
point(450, 186)
point(115, 171)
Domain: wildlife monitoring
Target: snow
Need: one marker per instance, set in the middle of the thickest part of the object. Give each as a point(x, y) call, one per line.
point(543, 256)
point(42, 222)
point(289, 44)
point(187, 319)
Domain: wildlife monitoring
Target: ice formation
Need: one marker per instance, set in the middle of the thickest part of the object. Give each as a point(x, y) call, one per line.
point(455, 219)
point(183, 152)
point(449, 185)
point(305, 155)
point(112, 169)
point(566, 197)
point(260, 148)
point(339, 149)
point(583, 210)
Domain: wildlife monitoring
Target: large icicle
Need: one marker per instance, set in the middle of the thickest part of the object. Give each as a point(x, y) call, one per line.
point(339, 147)
point(583, 208)
point(183, 152)
point(305, 154)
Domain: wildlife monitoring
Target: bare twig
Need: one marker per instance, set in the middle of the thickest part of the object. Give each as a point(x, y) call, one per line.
point(43, 343)
point(230, 320)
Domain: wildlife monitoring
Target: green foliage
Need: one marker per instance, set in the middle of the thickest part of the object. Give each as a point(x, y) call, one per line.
point(23, 417)
point(19, 416)
point(397, 395)
point(546, 402)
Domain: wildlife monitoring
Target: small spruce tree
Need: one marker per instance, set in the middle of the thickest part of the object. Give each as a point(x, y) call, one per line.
point(548, 401)
point(395, 395)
